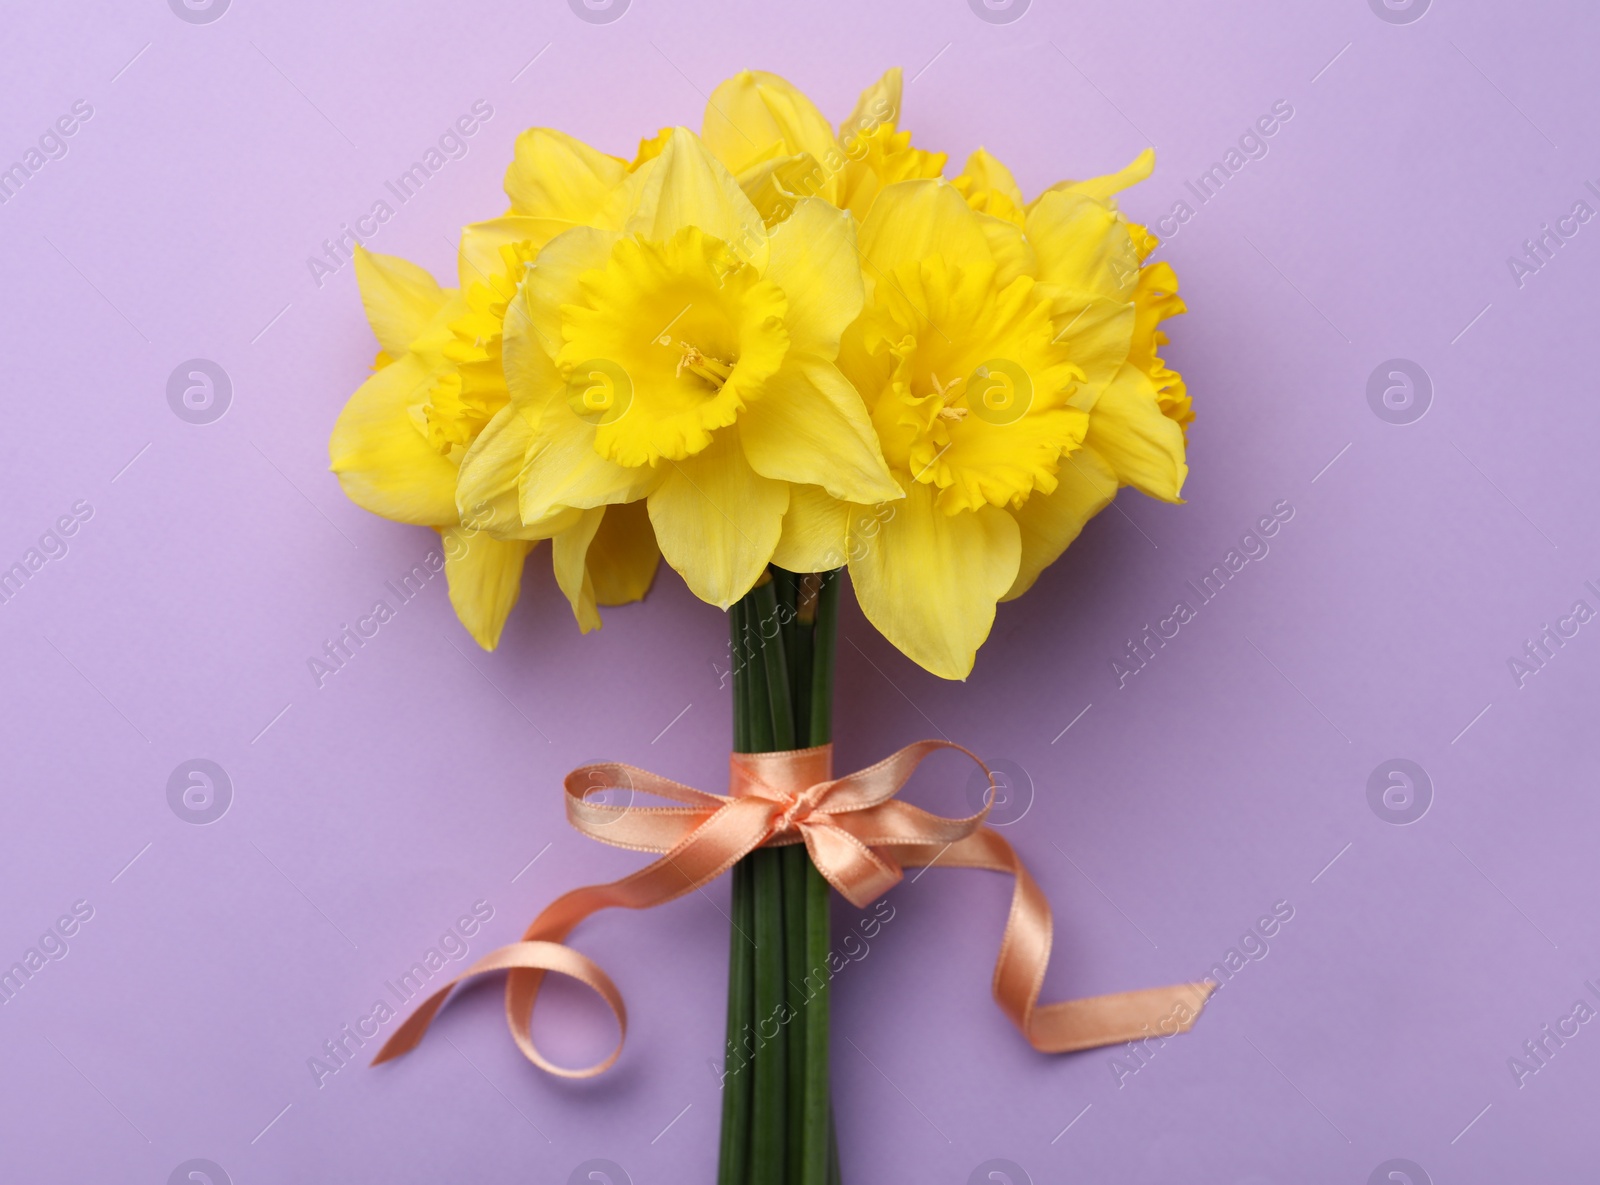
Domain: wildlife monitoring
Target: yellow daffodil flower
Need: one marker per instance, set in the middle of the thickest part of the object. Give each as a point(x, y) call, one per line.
point(685, 357)
point(996, 353)
point(1140, 449)
point(781, 149)
point(398, 444)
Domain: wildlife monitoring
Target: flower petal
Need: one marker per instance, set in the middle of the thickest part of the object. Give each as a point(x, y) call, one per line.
point(878, 104)
point(623, 555)
point(564, 470)
point(912, 220)
point(990, 188)
point(400, 298)
point(776, 186)
point(814, 528)
point(1098, 333)
point(551, 282)
point(649, 148)
point(609, 557)
point(718, 520)
point(1083, 246)
point(553, 175)
point(1049, 522)
point(929, 580)
point(810, 426)
point(567, 552)
point(1142, 445)
point(1013, 255)
point(485, 576)
point(754, 116)
point(1089, 267)
point(1105, 186)
point(880, 156)
point(478, 260)
point(383, 462)
point(814, 261)
point(690, 187)
point(488, 489)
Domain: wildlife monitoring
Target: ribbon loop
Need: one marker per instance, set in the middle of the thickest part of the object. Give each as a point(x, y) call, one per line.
point(859, 837)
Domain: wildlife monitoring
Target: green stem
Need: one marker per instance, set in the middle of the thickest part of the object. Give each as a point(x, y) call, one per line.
point(736, 659)
point(757, 701)
point(800, 642)
point(769, 1112)
point(775, 603)
point(795, 863)
point(771, 728)
point(819, 1154)
point(777, 1117)
point(734, 1164)
point(774, 664)
point(823, 651)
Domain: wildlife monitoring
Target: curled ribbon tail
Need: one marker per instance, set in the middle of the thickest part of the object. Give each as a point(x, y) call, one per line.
point(1065, 1026)
point(859, 837)
point(529, 959)
point(700, 844)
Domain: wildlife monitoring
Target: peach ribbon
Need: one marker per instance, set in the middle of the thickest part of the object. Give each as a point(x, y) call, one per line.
point(858, 835)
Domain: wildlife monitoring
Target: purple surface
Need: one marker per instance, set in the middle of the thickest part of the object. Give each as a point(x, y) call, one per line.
point(1230, 774)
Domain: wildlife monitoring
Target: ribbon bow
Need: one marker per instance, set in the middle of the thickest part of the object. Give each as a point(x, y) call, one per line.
point(859, 837)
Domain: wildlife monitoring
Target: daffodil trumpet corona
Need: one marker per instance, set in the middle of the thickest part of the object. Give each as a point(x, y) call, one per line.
point(775, 352)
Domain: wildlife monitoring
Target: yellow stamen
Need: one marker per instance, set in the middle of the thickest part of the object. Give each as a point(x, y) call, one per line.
point(713, 370)
point(946, 396)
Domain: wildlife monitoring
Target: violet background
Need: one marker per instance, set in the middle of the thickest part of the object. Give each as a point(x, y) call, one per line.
point(1230, 774)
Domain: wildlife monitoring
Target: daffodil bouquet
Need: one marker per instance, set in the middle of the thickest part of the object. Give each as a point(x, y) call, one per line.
point(771, 352)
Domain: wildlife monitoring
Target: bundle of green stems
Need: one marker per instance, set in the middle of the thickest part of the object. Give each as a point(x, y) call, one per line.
point(777, 1114)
